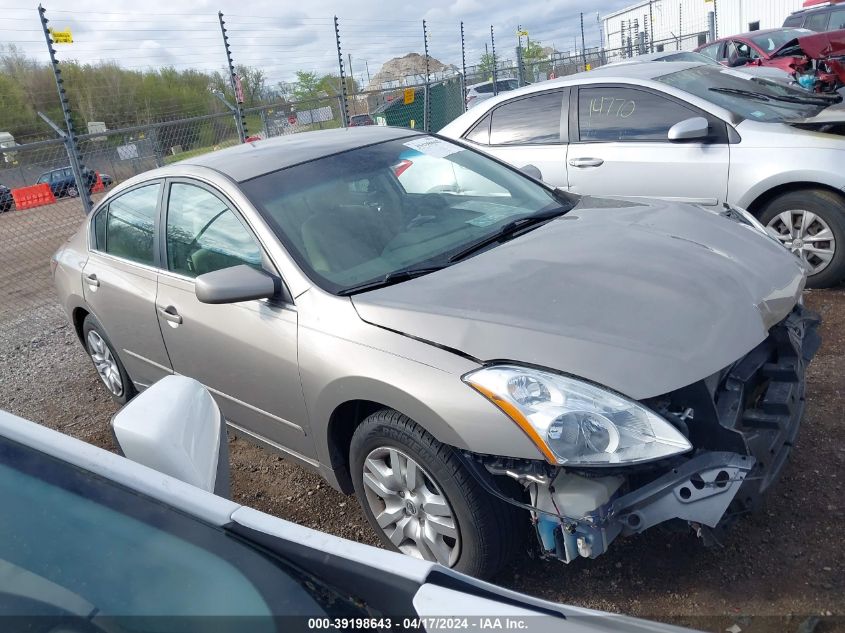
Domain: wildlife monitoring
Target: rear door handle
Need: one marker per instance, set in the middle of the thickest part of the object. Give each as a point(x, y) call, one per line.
point(92, 280)
point(586, 162)
point(169, 314)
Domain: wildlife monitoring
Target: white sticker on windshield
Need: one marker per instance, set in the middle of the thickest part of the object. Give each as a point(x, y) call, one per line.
point(433, 146)
point(757, 114)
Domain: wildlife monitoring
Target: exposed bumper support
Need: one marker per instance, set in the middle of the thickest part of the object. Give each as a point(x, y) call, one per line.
point(699, 491)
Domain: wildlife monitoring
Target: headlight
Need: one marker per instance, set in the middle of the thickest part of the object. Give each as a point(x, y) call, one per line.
point(576, 423)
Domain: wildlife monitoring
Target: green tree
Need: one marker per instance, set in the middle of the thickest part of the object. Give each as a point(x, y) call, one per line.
point(307, 85)
point(485, 65)
point(533, 52)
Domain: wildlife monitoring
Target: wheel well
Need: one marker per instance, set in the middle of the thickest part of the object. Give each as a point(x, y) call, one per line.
point(342, 424)
point(757, 206)
point(79, 315)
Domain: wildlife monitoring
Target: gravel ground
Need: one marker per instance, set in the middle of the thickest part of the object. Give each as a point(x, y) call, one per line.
point(777, 568)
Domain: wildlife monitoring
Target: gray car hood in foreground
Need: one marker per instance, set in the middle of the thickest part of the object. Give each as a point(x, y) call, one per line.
point(643, 297)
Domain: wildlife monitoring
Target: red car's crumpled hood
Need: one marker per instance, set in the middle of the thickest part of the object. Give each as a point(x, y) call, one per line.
point(818, 45)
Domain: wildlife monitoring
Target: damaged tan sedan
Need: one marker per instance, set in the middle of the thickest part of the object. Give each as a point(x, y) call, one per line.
point(472, 353)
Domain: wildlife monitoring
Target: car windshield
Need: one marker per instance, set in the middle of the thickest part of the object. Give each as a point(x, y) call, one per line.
point(360, 215)
point(745, 95)
point(770, 42)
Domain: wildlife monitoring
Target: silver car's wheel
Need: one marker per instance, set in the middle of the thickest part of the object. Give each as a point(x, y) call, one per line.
point(807, 235)
point(410, 507)
point(105, 363)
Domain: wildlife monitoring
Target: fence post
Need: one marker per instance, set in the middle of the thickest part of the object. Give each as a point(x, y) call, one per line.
point(463, 69)
point(70, 139)
point(495, 72)
point(583, 45)
point(344, 110)
point(240, 117)
point(427, 100)
point(715, 21)
point(680, 24)
point(711, 26)
point(650, 26)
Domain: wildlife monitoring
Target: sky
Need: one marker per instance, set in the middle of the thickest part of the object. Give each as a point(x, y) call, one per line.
point(282, 38)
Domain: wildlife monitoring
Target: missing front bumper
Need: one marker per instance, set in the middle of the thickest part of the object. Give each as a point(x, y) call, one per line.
point(744, 423)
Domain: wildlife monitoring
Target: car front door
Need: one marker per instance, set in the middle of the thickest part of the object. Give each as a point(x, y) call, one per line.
point(619, 146)
point(119, 281)
point(245, 353)
point(528, 130)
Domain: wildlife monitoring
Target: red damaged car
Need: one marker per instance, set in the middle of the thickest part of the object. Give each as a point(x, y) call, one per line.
point(816, 60)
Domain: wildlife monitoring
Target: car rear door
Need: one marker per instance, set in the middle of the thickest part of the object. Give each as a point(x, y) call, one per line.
point(528, 130)
point(119, 280)
point(619, 145)
point(244, 353)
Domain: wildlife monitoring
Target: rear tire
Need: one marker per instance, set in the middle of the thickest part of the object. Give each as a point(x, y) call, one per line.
point(109, 367)
point(487, 530)
point(801, 219)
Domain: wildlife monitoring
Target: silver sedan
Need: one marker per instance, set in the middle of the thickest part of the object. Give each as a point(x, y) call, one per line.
point(684, 131)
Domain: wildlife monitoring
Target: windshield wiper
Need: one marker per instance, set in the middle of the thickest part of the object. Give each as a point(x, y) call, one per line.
point(509, 230)
point(809, 100)
point(742, 93)
point(397, 276)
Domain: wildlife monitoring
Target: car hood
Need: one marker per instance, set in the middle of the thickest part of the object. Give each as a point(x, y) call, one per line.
point(817, 45)
point(834, 113)
point(643, 297)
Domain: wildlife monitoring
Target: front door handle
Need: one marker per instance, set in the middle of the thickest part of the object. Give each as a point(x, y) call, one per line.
point(92, 280)
point(169, 314)
point(586, 162)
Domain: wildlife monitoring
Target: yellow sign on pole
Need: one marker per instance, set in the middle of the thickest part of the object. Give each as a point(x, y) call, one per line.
point(522, 33)
point(410, 93)
point(61, 37)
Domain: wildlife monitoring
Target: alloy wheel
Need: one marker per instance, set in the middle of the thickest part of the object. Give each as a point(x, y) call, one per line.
point(807, 235)
point(105, 363)
point(410, 507)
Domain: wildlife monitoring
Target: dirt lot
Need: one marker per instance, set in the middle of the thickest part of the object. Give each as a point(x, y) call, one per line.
point(787, 561)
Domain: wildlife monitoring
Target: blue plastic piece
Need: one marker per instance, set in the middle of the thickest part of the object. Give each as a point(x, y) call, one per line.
point(546, 527)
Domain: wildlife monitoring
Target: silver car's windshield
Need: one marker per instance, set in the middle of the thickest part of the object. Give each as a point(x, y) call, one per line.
point(357, 216)
point(745, 95)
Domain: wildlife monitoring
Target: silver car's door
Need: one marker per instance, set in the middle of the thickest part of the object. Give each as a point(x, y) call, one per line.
point(245, 353)
point(530, 130)
point(619, 145)
point(119, 280)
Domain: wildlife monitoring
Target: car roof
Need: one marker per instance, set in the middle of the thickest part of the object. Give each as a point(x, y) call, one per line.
point(249, 160)
point(751, 34)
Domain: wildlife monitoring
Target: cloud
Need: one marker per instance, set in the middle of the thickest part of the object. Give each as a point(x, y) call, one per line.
point(281, 41)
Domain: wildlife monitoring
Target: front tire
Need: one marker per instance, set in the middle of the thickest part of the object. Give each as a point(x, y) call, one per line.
point(71, 191)
point(421, 500)
point(109, 367)
point(811, 223)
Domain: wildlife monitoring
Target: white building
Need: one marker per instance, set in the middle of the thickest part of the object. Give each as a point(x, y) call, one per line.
point(683, 24)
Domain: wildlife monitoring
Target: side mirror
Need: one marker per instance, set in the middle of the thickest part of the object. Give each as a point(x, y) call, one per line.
point(231, 285)
point(532, 171)
point(693, 129)
point(176, 428)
